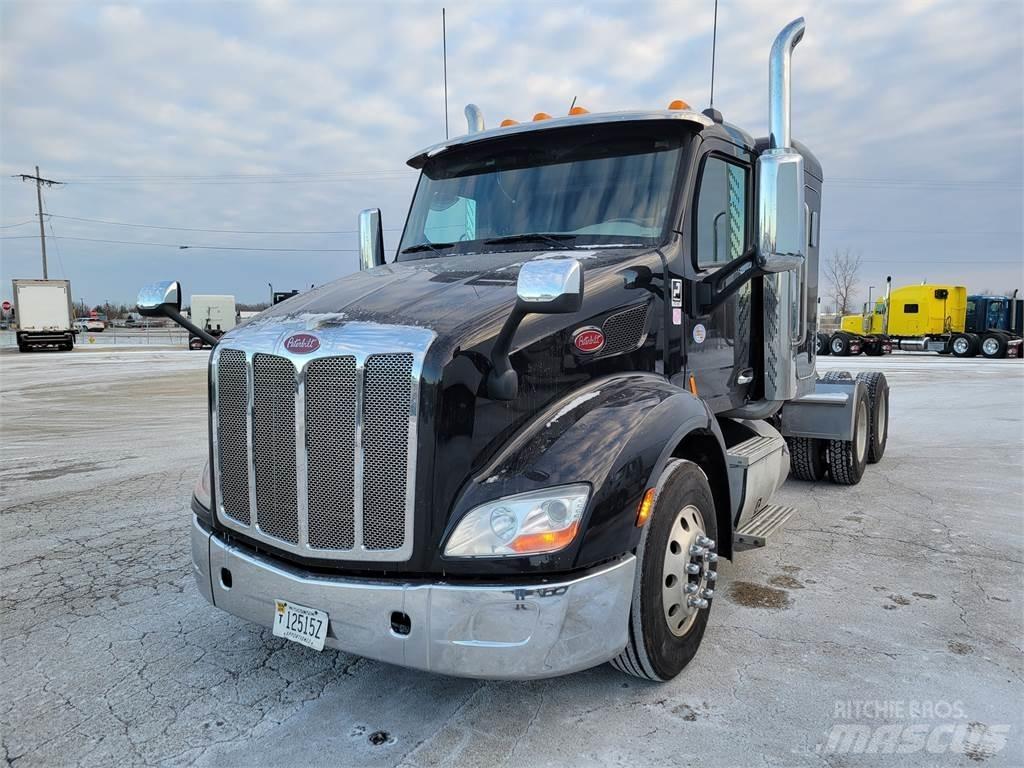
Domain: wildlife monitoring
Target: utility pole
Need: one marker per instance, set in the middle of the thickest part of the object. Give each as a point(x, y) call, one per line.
point(39, 180)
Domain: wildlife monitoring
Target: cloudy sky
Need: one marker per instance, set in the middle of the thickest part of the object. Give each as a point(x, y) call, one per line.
point(263, 128)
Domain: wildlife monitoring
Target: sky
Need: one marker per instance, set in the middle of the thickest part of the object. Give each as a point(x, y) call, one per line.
point(279, 121)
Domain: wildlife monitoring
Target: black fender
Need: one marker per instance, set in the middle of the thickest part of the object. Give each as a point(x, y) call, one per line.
point(616, 434)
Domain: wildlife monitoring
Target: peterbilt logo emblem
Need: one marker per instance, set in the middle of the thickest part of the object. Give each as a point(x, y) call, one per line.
point(302, 343)
point(589, 339)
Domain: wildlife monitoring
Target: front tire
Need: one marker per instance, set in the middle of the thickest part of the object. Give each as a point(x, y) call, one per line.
point(675, 577)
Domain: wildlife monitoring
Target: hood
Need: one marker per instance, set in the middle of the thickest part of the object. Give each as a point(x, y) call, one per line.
point(453, 296)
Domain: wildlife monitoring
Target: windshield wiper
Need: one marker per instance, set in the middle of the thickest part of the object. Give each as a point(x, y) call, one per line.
point(531, 237)
point(435, 247)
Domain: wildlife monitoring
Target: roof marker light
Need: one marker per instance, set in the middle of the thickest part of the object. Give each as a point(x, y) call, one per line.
point(508, 121)
point(678, 104)
point(579, 111)
point(541, 116)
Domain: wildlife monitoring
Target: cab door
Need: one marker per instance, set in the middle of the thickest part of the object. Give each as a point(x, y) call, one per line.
point(718, 342)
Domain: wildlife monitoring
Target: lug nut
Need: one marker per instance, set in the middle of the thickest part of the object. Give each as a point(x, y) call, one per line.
point(711, 576)
point(697, 550)
point(704, 541)
point(708, 593)
point(712, 557)
point(697, 602)
point(692, 568)
point(690, 589)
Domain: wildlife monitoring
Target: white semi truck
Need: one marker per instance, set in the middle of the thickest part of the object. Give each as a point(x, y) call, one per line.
point(44, 314)
point(214, 313)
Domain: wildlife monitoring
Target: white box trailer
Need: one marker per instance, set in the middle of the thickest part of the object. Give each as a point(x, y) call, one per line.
point(44, 314)
point(213, 313)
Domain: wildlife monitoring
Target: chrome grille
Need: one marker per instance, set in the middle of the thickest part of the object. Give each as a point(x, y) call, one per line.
point(273, 446)
point(386, 449)
point(316, 453)
point(330, 446)
point(624, 331)
point(232, 428)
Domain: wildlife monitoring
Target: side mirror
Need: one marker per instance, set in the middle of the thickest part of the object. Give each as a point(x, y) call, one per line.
point(544, 287)
point(163, 299)
point(155, 298)
point(550, 286)
point(371, 239)
point(782, 229)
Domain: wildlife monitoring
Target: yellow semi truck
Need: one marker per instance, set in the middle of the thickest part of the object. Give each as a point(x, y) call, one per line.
point(926, 317)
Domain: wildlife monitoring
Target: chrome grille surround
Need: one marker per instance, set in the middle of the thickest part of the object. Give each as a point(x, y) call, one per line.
point(340, 484)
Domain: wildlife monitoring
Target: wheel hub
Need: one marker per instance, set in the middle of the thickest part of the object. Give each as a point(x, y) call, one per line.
point(688, 574)
point(990, 346)
point(960, 345)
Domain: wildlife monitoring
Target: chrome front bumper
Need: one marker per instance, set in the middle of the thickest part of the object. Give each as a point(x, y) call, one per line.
point(507, 631)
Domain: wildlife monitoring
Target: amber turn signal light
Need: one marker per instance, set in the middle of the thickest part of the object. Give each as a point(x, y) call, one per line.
point(678, 104)
point(643, 512)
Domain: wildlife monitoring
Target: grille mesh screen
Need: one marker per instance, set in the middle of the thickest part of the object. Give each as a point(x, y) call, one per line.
point(624, 330)
point(330, 446)
point(233, 452)
point(388, 391)
point(273, 442)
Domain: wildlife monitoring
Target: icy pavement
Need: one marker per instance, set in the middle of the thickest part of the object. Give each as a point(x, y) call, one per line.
point(906, 588)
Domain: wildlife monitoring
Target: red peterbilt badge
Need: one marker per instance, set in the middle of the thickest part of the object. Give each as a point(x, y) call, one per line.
point(589, 339)
point(302, 343)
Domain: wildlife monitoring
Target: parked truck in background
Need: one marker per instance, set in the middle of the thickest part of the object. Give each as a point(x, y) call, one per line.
point(215, 314)
point(44, 312)
point(932, 318)
point(518, 449)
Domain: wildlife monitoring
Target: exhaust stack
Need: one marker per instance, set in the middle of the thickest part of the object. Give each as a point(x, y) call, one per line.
point(779, 85)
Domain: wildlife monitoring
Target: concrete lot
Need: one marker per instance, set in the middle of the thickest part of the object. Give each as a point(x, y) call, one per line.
point(894, 603)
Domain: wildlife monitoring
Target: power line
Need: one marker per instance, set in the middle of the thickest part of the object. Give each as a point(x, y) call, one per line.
point(19, 224)
point(191, 246)
point(40, 181)
point(223, 231)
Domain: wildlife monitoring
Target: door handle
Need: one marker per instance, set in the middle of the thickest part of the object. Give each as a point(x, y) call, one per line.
point(745, 376)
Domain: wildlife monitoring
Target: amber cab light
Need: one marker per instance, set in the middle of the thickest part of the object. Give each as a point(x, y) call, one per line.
point(541, 116)
point(579, 111)
point(678, 104)
point(643, 512)
point(508, 121)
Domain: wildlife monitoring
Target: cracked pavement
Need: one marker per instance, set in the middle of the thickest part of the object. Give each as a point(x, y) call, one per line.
point(906, 588)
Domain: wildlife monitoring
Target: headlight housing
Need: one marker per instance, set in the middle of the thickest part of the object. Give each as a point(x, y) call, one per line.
point(533, 523)
point(202, 489)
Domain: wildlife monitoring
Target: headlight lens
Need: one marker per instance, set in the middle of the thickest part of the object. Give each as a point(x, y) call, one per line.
point(202, 489)
point(532, 523)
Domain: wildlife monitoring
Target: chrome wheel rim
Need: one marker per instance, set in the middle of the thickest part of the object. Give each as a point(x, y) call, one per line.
point(883, 416)
point(687, 573)
point(960, 345)
point(862, 433)
point(990, 346)
point(837, 345)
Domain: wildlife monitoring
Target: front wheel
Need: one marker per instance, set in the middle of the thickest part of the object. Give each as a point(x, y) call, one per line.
point(675, 577)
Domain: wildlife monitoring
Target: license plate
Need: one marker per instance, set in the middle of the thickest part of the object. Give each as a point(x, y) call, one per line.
point(300, 624)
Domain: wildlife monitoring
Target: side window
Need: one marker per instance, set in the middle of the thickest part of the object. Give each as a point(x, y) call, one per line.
point(451, 220)
point(910, 309)
point(721, 212)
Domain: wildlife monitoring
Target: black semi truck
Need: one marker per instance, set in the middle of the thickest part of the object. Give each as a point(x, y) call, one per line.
point(518, 448)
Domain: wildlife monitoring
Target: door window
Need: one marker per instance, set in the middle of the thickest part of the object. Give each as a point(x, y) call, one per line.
point(721, 213)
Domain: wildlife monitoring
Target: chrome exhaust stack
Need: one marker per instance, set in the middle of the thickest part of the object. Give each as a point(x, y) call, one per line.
point(779, 84)
point(474, 119)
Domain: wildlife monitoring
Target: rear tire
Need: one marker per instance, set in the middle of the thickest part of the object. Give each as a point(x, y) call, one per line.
point(664, 635)
point(848, 458)
point(839, 345)
point(823, 349)
point(993, 346)
point(807, 458)
point(878, 397)
point(964, 345)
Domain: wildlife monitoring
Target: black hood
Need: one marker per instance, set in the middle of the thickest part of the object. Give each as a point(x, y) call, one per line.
point(451, 295)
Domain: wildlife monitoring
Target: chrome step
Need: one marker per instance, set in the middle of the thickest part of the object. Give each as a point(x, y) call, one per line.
point(753, 450)
point(767, 521)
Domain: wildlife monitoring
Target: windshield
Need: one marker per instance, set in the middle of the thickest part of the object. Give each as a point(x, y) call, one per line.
point(536, 193)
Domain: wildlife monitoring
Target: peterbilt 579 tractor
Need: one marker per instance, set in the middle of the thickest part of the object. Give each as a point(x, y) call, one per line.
point(518, 448)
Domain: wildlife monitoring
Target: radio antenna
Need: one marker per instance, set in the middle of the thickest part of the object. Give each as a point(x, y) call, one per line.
point(714, 41)
point(444, 57)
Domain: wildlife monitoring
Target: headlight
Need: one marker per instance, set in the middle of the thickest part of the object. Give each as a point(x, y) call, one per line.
point(525, 524)
point(202, 489)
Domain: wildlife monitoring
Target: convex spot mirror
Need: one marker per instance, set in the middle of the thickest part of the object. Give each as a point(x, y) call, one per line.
point(156, 298)
point(550, 286)
point(782, 226)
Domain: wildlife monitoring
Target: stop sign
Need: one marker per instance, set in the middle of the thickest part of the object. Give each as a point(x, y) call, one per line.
point(7, 306)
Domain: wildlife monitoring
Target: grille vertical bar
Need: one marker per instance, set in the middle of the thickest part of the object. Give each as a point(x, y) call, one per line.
point(388, 390)
point(273, 445)
point(331, 454)
point(233, 449)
